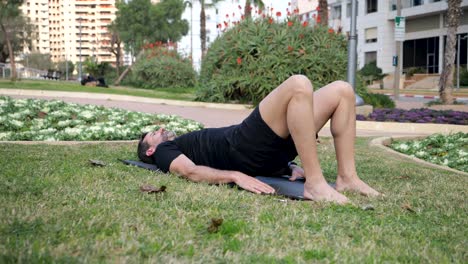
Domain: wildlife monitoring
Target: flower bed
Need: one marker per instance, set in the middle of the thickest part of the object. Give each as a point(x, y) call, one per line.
point(41, 120)
point(450, 150)
point(422, 115)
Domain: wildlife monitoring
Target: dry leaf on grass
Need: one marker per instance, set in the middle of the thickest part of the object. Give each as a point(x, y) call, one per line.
point(151, 189)
point(215, 224)
point(408, 207)
point(97, 163)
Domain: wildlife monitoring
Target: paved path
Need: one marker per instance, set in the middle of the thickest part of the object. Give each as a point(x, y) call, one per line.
point(218, 115)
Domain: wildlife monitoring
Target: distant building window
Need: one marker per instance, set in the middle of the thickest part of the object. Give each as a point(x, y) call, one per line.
point(336, 12)
point(371, 35)
point(371, 6)
point(370, 57)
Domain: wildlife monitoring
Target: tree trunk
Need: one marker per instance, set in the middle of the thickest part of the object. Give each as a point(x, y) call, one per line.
point(446, 78)
point(10, 53)
point(247, 10)
point(124, 73)
point(203, 28)
point(323, 12)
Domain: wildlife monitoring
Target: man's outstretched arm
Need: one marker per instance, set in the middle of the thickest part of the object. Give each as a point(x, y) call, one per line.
point(185, 167)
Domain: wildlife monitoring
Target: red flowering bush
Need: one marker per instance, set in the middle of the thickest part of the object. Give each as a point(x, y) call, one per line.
point(162, 67)
point(250, 59)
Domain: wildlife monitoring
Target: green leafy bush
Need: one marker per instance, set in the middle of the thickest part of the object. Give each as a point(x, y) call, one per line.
point(252, 58)
point(411, 71)
point(378, 100)
point(163, 67)
point(371, 72)
point(463, 76)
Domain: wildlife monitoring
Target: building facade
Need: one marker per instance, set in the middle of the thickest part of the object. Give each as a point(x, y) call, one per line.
point(425, 31)
point(72, 30)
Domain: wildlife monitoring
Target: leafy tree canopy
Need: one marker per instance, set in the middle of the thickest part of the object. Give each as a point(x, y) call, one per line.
point(140, 22)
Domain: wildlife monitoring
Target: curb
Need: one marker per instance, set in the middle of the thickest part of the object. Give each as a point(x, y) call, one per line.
point(382, 143)
point(127, 98)
point(426, 96)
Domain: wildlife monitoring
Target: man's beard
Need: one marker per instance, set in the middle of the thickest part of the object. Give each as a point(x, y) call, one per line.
point(168, 135)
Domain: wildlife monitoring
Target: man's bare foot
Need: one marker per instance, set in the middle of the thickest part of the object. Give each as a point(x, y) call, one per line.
point(355, 184)
point(323, 192)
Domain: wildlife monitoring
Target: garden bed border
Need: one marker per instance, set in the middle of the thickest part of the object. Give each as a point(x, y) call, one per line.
point(384, 142)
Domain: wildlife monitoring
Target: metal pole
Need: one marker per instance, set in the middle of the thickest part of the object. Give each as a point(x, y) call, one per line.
point(66, 66)
point(396, 82)
point(352, 47)
point(191, 32)
point(80, 72)
point(458, 62)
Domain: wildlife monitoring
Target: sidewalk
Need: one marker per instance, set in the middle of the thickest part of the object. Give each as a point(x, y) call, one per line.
point(218, 115)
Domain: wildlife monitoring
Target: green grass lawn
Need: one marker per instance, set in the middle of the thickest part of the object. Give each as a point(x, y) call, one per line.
point(56, 207)
point(186, 94)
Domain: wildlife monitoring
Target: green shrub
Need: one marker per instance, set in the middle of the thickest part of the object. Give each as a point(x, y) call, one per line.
point(463, 76)
point(252, 58)
point(378, 100)
point(411, 71)
point(371, 72)
point(162, 67)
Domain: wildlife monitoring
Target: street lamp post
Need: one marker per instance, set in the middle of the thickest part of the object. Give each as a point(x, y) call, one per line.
point(80, 70)
point(352, 47)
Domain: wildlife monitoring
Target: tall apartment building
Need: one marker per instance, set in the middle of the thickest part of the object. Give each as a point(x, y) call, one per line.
point(66, 29)
point(425, 34)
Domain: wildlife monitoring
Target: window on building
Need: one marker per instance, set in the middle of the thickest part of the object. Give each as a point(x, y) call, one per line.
point(348, 9)
point(371, 6)
point(371, 35)
point(336, 12)
point(370, 57)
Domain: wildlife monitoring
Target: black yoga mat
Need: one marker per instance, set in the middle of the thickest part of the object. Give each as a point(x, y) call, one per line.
point(282, 185)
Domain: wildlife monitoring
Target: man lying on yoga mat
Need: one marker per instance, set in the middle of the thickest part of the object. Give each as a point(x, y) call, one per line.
point(283, 125)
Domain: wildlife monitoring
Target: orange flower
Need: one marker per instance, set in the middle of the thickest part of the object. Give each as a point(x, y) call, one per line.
point(278, 14)
point(319, 19)
point(270, 20)
point(290, 23)
point(225, 24)
point(290, 48)
point(239, 61)
point(305, 24)
point(331, 31)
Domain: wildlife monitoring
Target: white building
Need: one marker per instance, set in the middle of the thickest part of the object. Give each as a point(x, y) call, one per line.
point(424, 38)
point(67, 28)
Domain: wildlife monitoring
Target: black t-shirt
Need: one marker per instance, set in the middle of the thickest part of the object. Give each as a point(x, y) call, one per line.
point(250, 147)
point(207, 147)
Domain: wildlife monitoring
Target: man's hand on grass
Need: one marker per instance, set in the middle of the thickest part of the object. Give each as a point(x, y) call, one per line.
point(297, 172)
point(251, 184)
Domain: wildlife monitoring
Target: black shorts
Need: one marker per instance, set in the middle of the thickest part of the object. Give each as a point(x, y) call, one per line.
point(255, 149)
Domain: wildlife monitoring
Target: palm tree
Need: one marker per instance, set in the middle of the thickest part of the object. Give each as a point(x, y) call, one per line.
point(248, 10)
point(446, 78)
point(203, 22)
point(323, 12)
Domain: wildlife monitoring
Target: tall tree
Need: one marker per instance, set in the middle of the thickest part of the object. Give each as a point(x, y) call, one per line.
point(204, 5)
point(14, 30)
point(115, 46)
point(139, 22)
point(446, 78)
point(323, 12)
point(248, 8)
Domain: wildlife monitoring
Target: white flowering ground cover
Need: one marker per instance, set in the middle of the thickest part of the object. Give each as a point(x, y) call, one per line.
point(42, 120)
point(447, 150)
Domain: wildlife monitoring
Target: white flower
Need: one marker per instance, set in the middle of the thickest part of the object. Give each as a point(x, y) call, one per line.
point(16, 123)
point(403, 147)
point(5, 135)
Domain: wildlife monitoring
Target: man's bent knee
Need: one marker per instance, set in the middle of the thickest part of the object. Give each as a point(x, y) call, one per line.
point(344, 89)
point(301, 85)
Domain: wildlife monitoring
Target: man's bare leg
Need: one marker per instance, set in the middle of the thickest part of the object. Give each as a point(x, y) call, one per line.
point(337, 101)
point(289, 109)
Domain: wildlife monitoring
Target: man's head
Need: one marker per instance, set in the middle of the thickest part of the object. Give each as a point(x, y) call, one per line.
point(150, 140)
